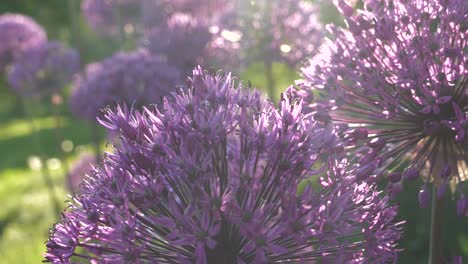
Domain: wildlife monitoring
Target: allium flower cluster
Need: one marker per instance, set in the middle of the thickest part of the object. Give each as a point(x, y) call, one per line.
point(192, 33)
point(399, 73)
point(18, 33)
point(136, 78)
point(181, 40)
point(108, 17)
point(275, 30)
point(43, 69)
point(213, 178)
point(82, 166)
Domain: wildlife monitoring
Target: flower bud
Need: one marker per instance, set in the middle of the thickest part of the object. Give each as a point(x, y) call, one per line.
point(423, 197)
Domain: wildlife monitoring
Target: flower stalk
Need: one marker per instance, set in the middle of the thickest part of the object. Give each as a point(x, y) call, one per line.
point(45, 173)
point(436, 243)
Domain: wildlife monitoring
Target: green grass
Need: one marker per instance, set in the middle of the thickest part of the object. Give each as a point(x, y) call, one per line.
point(26, 215)
point(27, 212)
point(282, 74)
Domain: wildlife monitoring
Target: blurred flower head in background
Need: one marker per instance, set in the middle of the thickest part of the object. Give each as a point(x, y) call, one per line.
point(398, 73)
point(18, 33)
point(182, 41)
point(282, 31)
point(43, 69)
point(185, 32)
point(112, 17)
point(135, 78)
point(81, 167)
point(213, 177)
point(155, 12)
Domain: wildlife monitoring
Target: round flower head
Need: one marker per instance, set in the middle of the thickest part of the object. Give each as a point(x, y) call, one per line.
point(83, 166)
point(212, 178)
point(136, 78)
point(399, 72)
point(186, 33)
point(106, 16)
point(182, 40)
point(18, 33)
point(43, 69)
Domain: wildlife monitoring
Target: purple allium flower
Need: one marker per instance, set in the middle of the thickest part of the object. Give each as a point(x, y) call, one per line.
point(275, 30)
point(187, 33)
point(400, 71)
point(134, 78)
point(189, 37)
point(182, 41)
point(82, 166)
point(213, 177)
point(43, 69)
point(106, 16)
point(18, 33)
point(155, 13)
point(198, 8)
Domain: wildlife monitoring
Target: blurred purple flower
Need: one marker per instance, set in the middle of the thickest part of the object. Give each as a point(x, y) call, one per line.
point(198, 8)
point(212, 178)
point(156, 13)
point(457, 260)
point(83, 166)
point(136, 77)
point(43, 69)
point(400, 72)
point(182, 41)
point(18, 33)
point(283, 31)
point(109, 17)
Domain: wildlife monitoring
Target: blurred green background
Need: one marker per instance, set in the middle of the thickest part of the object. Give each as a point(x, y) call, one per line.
point(26, 214)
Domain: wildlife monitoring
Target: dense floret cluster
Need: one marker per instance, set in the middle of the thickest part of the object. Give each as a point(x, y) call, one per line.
point(399, 72)
point(212, 178)
point(44, 69)
point(135, 78)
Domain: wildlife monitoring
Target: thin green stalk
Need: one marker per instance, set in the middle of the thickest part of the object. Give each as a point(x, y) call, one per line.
point(76, 37)
point(44, 170)
point(59, 138)
point(270, 80)
point(436, 241)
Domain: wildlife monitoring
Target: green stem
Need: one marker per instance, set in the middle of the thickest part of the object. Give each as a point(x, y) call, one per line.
point(44, 170)
point(59, 139)
point(270, 80)
point(72, 7)
point(436, 242)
